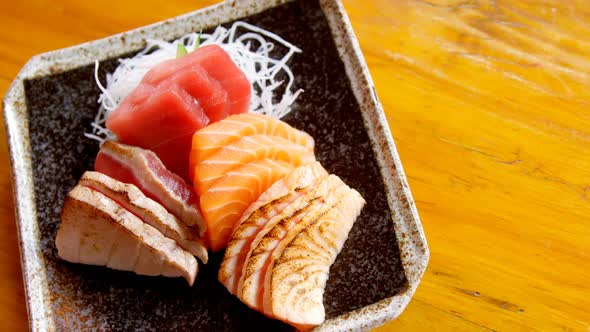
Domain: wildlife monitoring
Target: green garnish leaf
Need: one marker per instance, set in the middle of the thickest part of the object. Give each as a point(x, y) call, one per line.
point(181, 51)
point(198, 44)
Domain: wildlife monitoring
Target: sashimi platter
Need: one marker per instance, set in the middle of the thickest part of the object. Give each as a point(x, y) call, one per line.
point(233, 176)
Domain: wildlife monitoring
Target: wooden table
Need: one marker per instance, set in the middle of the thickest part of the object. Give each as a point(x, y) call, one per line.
point(489, 104)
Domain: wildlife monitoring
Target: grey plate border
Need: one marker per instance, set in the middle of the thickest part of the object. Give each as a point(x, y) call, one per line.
point(410, 236)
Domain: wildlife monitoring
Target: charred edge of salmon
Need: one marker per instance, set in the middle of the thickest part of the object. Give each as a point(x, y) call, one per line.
point(323, 199)
point(293, 186)
point(272, 259)
point(298, 190)
point(260, 212)
point(84, 200)
point(224, 275)
point(272, 229)
point(191, 215)
point(155, 214)
point(271, 235)
point(262, 256)
point(349, 208)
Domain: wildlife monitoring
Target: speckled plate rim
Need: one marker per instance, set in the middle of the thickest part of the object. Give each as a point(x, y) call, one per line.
point(410, 236)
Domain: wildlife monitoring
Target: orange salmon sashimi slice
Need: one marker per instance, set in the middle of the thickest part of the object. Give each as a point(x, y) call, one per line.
point(297, 298)
point(247, 150)
point(279, 232)
point(274, 200)
point(224, 203)
point(210, 139)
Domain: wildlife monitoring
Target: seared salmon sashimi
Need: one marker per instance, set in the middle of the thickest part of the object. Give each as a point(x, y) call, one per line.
point(278, 259)
point(274, 200)
point(143, 169)
point(148, 210)
point(279, 231)
point(297, 298)
point(96, 230)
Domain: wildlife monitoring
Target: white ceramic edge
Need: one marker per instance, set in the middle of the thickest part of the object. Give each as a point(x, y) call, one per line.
point(33, 267)
point(413, 249)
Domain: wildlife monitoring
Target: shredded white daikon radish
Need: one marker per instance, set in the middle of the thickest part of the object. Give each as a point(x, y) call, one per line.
point(248, 46)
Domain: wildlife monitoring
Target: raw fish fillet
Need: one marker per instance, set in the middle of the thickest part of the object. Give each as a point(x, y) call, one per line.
point(175, 99)
point(209, 93)
point(272, 202)
point(143, 169)
point(246, 150)
point(210, 139)
point(219, 66)
point(164, 123)
point(147, 210)
point(96, 230)
point(225, 202)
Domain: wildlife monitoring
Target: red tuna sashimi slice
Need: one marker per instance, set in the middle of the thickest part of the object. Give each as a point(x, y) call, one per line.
point(221, 67)
point(224, 203)
point(163, 123)
point(143, 169)
point(210, 139)
point(246, 150)
point(208, 92)
point(140, 94)
point(297, 298)
point(218, 65)
point(278, 232)
point(274, 200)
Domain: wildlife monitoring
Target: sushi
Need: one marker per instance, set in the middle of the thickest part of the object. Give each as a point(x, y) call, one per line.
point(96, 230)
point(176, 98)
point(142, 168)
point(279, 255)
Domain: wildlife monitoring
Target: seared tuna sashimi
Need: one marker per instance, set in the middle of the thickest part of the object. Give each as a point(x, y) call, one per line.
point(96, 230)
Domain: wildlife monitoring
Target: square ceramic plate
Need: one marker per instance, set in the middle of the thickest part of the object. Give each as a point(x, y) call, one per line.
point(52, 101)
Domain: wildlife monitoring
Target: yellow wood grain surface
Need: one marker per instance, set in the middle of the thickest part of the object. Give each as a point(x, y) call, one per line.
point(489, 105)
